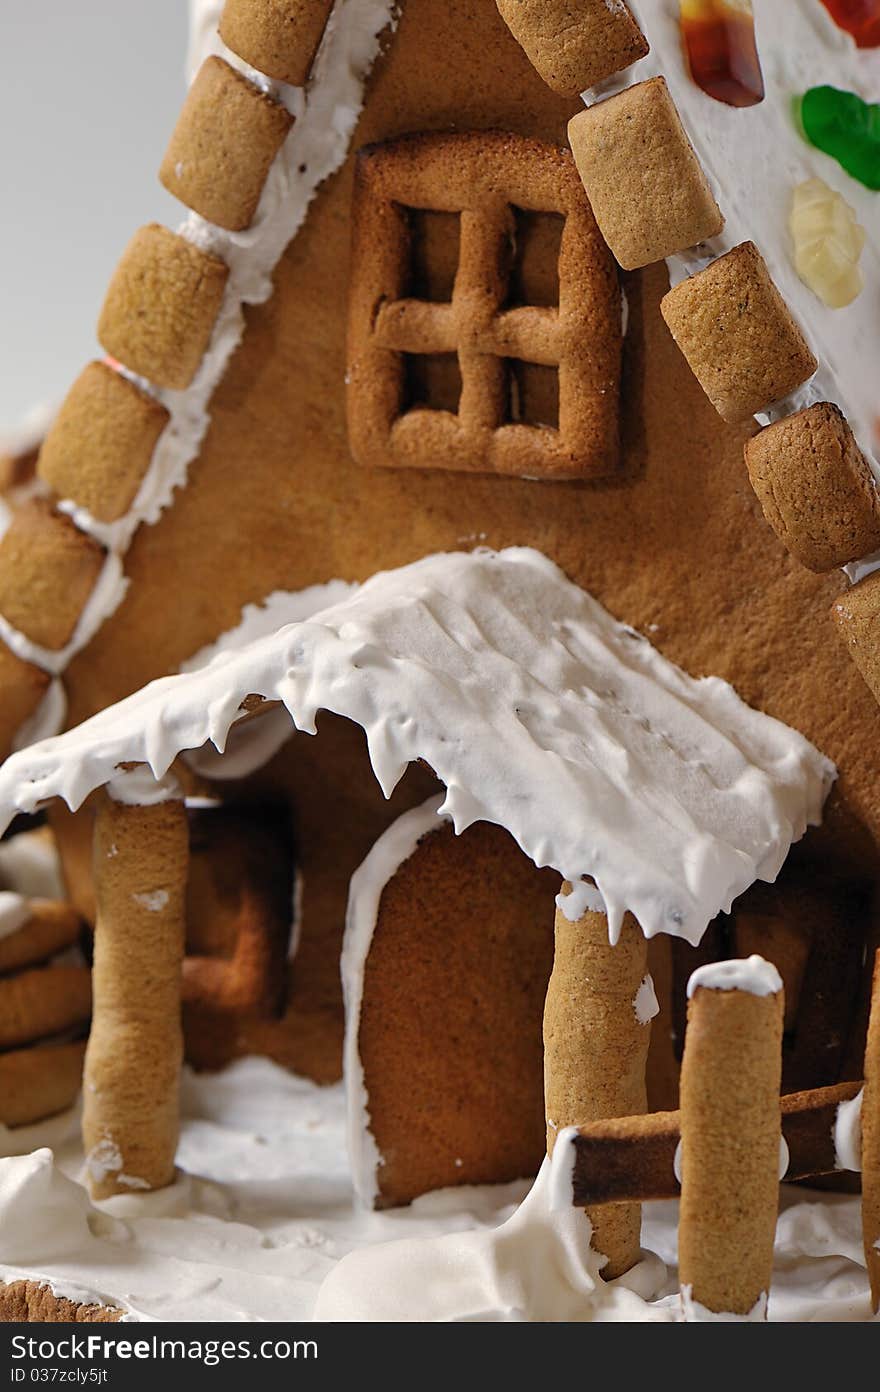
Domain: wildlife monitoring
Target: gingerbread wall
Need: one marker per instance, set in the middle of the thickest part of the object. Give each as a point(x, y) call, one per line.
point(677, 546)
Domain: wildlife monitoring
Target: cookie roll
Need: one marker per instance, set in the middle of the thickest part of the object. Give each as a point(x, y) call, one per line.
point(596, 1050)
point(132, 1069)
point(871, 1143)
point(730, 1138)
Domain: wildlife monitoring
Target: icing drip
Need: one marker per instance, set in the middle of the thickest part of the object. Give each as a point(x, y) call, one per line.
point(539, 712)
point(848, 1135)
point(695, 1313)
point(750, 974)
point(394, 847)
point(645, 1002)
point(137, 787)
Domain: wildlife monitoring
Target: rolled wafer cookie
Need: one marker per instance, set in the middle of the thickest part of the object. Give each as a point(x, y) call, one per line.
point(132, 1073)
point(38, 1083)
point(49, 927)
point(42, 1002)
point(871, 1142)
point(596, 1047)
point(730, 1130)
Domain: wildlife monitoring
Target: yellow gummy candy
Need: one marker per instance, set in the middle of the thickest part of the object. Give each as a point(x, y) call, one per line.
point(827, 243)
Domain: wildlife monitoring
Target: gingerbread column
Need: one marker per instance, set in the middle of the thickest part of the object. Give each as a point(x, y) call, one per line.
point(730, 1138)
point(132, 1069)
point(596, 1035)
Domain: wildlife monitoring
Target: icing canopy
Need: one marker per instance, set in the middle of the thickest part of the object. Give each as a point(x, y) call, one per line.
point(538, 711)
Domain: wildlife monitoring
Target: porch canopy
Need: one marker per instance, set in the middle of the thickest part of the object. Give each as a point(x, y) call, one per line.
point(537, 710)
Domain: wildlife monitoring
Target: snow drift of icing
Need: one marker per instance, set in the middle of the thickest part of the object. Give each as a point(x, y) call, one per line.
point(538, 711)
point(395, 846)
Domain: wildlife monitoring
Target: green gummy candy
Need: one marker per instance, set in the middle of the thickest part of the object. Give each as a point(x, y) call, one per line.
point(844, 126)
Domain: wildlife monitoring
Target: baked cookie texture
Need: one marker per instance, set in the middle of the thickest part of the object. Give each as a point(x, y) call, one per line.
point(493, 327)
point(226, 138)
point(646, 186)
point(276, 500)
point(465, 353)
point(48, 569)
point(101, 442)
point(454, 1078)
point(160, 306)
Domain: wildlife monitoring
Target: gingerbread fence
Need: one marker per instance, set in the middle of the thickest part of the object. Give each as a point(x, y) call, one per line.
point(733, 1139)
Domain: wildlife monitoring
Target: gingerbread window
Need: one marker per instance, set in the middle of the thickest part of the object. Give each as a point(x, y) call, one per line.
point(485, 314)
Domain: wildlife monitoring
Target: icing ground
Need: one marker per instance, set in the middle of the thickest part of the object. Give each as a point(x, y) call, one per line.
point(538, 711)
point(754, 157)
point(260, 1225)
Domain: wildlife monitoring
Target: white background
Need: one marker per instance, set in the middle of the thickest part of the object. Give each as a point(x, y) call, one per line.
point(89, 94)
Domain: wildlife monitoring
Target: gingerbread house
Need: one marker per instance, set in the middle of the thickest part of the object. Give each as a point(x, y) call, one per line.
point(389, 429)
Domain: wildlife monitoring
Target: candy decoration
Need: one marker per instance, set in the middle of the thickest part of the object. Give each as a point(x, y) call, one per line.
point(719, 42)
point(845, 127)
point(827, 243)
point(861, 18)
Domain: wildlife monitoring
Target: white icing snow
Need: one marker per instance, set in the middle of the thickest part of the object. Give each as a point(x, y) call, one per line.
point(538, 711)
point(262, 1212)
point(326, 116)
point(754, 157)
point(752, 974)
point(645, 1002)
point(848, 1134)
point(139, 787)
point(695, 1313)
point(46, 720)
point(248, 749)
point(583, 897)
point(394, 846)
point(14, 912)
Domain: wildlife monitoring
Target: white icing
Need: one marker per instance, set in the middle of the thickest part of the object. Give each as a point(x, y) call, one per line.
point(536, 709)
point(29, 865)
point(754, 157)
point(848, 1134)
point(250, 748)
point(537, 1266)
point(14, 912)
point(645, 1002)
point(317, 145)
point(153, 900)
point(106, 596)
point(139, 787)
point(47, 720)
point(105, 1159)
point(562, 1163)
point(784, 1157)
point(751, 974)
point(695, 1313)
point(583, 897)
point(261, 1213)
point(277, 609)
point(394, 846)
point(30, 432)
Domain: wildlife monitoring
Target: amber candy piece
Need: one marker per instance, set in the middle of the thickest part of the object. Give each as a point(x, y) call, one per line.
point(719, 42)
point(861, 18)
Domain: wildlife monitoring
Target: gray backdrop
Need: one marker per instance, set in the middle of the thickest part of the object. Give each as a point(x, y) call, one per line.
point(89, 95)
